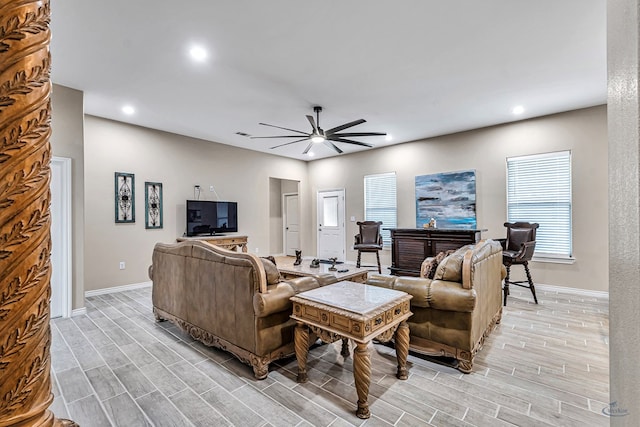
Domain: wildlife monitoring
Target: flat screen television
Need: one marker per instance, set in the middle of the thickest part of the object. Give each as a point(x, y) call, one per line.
point(205, 217)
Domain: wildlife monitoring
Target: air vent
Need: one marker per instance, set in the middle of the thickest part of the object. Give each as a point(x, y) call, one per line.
point(243, 134)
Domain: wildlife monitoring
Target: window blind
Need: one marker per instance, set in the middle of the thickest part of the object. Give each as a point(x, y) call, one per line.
point(380, 202)
point(539, 190)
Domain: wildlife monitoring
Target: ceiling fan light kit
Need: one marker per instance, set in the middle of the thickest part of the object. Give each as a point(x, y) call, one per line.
point(319, 135)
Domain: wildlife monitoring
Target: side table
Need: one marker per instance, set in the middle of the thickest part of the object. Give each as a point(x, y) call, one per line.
point(348, 310)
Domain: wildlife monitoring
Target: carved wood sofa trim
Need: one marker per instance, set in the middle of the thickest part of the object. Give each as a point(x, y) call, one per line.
point(464, 357)
point(260, 364)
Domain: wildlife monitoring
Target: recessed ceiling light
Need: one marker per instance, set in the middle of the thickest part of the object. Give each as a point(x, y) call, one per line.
point(198, 53)
point(128, 109)
point(388, 137)
point(518, 110)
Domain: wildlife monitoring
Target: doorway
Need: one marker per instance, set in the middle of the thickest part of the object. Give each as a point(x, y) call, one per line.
point(281, 240)
point(291, 222)
point(61, 237)
point(330, 224)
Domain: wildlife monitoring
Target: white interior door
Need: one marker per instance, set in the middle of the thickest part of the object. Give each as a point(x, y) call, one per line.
point(331, 227)
point(60, 237)
point(291, 224)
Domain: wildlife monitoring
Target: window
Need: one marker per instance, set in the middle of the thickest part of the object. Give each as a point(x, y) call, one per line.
point(380, 202)
point(539, 190)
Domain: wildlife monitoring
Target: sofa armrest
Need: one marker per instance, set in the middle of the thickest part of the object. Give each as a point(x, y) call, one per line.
point(418, 287)
point(275, 300)
point(451, 296)
point(381, 280)
point(325, 279)
point(301, 284)
point(151, 272)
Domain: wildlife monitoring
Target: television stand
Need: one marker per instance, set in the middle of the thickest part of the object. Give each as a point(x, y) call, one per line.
point(232, 243)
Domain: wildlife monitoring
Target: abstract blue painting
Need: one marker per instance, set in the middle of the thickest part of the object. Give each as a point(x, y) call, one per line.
point(449, 197)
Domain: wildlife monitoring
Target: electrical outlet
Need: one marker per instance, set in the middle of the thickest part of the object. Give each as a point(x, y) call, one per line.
point(257, 250)
point(121, 265)
point(211, 188)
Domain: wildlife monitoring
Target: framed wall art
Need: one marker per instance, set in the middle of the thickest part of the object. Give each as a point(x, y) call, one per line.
point(125, 197)
point(449, 198)
point(152, 205)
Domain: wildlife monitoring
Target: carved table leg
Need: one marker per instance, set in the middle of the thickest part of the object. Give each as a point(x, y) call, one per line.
point(362, 376)
point(402, 350)
point(345, 348)
point(301, 343)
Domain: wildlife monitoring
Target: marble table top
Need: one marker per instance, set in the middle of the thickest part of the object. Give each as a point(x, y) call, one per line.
point(304, 269)
point(354, 297)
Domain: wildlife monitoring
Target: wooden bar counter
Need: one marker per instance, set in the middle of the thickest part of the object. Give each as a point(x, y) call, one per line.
point(410, 246)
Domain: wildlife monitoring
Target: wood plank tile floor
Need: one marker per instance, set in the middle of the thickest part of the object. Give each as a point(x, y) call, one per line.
point(544, 365)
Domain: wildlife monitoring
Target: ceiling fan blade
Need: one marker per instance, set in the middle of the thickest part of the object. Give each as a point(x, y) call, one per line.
point(340, 135)
point(332, 145)
point(345, 126)
point(280, 127)
point(313, 124)
point(287, 143)
point(349, 141)
point(306, 150)
point(278, 136)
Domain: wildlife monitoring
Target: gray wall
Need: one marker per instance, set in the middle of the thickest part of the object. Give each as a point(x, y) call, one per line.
point(178, 163)
point(67, 140)
point(242, 175)
point(584, 132)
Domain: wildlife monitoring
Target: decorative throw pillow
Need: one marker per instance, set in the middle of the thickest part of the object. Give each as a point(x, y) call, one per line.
point(270, 258)
point(429, 269)
point(450, 268)
point(270, 269)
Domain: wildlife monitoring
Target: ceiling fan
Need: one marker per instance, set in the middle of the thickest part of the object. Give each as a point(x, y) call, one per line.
point(319, 135)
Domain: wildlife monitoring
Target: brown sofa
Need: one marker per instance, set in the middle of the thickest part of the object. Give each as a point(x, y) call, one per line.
point(455, 310)
point(231, 300)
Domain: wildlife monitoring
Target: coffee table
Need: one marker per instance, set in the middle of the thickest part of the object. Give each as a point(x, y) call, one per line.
point(348, 310)
point(290, 271)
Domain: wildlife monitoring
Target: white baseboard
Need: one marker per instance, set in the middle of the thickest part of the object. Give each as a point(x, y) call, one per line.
point(122, 288)
point(577, 291)
point(79, 312)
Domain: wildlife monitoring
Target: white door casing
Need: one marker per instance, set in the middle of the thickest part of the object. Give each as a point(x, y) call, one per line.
point(330, 225)
point(291, 223)
point(61, 237)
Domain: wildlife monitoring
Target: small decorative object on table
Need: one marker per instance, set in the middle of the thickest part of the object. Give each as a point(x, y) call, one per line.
point(315, 263)
point(298, 260)
point(430, 224)
point(333, 264)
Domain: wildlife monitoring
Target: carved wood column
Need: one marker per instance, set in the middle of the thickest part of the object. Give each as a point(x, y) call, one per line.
point(25, 241)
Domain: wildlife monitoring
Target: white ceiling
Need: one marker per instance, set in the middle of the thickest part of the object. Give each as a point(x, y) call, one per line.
point(411, 68)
